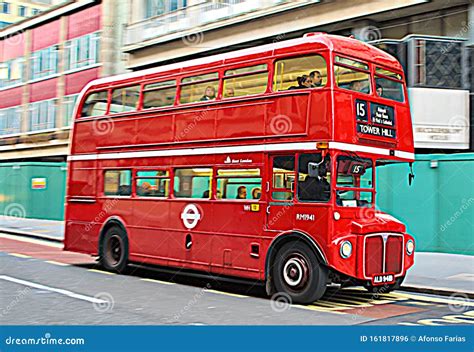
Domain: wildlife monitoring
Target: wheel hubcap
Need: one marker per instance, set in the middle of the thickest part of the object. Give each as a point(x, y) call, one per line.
point(114, 250)
point(295, 271)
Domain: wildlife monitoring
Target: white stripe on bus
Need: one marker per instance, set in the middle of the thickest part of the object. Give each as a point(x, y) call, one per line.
point(237, 149)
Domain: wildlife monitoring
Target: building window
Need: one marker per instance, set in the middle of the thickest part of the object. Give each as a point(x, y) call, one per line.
point(159, 7)
point(11, 72)
point(35, 11)
point(44, 62)
point(68, 109)
point(82, 51)
point(21, 11)
point(10, 120)
point(43, 115)
point(5, 7)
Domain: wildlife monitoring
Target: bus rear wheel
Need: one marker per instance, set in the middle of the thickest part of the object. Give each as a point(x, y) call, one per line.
point(298, 273)
point(114, 250)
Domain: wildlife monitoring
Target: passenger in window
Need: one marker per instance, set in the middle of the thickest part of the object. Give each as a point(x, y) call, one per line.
point(303, 82)
point(379, 90)
point(358, 86)
point(256, 193)
point(317, 80)
point(229, 93)
point(206, 194)
point(241, 192)
point(209, 94)
point(145, 189)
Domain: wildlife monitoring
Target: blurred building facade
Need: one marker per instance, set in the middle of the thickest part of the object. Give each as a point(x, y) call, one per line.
point(12, 11)
point(45, 61)
point(432, 39)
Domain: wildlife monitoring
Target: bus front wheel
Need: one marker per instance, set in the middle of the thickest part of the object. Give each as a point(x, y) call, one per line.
point(298, 273)
point(114, 250)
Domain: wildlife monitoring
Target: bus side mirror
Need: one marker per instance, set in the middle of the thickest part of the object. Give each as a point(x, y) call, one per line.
point(411, 175)
point(313, 169)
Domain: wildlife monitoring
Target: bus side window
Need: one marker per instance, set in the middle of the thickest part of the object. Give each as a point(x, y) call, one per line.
point(289, 71)
point(245, 81)
point(124, 99)
point(152, 183)
point(199, 88)
point(95, 104)
point(239, 184)
point(193, 183)
point(159, 94)
point(283, 178)
point(118, 182)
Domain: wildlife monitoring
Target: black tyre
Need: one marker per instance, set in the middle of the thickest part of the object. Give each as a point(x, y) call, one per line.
point(384, 288)
point(114, 250)
point(297, 272)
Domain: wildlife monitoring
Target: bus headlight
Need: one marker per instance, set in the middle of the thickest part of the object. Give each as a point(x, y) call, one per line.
point(346, 249)
point(410, 247)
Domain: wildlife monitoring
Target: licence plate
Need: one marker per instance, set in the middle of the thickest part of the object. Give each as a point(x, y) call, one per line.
point(383, 279)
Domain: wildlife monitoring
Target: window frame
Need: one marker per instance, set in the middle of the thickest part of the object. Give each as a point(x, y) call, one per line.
point(144, 90)
point(216, 177)
point(354, 68)
point(224, 77)
point(156, 169)
point(327, 61)
point(218, 90)
point(211, 181)
point(119, 169)
point(383, 76)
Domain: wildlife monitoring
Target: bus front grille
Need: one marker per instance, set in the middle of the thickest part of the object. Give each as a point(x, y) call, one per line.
point(383, 254)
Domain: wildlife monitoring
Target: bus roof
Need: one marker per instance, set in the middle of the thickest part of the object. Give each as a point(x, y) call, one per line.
point(343, 45)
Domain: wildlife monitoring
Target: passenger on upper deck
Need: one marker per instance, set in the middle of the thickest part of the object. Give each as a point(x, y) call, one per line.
point(379, 90)
point(229, 93)
point(303, 82)
point(317, 80)
point(209, 94)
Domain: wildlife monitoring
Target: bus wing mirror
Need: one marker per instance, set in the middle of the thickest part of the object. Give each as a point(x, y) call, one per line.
point(313, 169)
point(411, 175)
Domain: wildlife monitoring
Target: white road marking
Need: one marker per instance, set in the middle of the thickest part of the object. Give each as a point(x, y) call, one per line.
point(101, 272)
point(19, 255)
point(158, 281)
point(32, 240)
point(56, 263)
point(225, 293)
point(52, 289)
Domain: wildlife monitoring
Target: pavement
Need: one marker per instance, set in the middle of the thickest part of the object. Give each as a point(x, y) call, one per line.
point(436, 273)
point(41, 284)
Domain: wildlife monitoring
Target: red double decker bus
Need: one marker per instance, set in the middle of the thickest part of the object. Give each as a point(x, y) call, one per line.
point(259, 164)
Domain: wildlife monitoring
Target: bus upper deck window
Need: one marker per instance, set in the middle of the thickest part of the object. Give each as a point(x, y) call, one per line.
point(300, 72)
point(389, 85)
point(159, 94)
point(245, 81)
point(352, 75)
point(124, 99)
point(199, 88)
point(95, 104)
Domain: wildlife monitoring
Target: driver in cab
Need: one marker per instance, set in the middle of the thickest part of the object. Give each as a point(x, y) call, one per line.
point(316, 186)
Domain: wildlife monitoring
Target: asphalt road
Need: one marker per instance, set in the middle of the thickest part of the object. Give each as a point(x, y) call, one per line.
point(41, 284)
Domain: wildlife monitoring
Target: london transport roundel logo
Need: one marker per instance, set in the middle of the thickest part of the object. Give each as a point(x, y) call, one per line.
point(190, 216)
